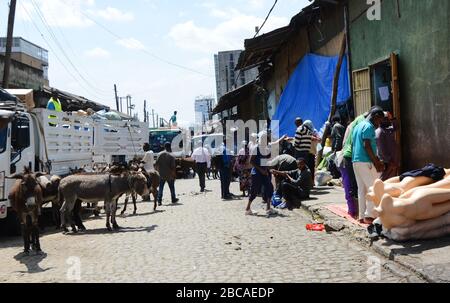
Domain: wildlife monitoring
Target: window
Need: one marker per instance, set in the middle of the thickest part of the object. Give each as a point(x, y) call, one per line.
point(3, 136)
point(20, 136)
point(362, 91)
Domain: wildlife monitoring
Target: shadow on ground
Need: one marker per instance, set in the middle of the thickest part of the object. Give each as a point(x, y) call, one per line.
point(32, 262)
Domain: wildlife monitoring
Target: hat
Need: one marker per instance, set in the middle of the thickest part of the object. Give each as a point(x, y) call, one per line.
point(309, 124)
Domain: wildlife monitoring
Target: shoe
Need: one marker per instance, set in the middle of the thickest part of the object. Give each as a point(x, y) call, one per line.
point(250, 213)
point(271, 212)
point(176, 201)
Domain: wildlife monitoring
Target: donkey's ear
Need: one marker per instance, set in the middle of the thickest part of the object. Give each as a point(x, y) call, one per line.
point(16, 176)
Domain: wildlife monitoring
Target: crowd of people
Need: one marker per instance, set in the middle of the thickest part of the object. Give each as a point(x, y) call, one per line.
point(365, 150)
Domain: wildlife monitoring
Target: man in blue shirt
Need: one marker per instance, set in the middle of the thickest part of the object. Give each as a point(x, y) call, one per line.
point(225, 172)
point(366, 164)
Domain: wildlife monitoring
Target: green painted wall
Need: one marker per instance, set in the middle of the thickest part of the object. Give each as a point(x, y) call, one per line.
point(421, 37)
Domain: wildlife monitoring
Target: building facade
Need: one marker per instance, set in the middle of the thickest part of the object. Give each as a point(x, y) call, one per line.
point(402, 63)
point(227, 77)
point(29, 64)
point(203, 109)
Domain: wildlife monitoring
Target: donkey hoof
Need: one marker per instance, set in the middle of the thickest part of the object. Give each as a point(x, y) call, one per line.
point(109, 228)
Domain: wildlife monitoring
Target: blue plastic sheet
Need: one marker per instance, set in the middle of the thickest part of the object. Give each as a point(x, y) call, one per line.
point(308, 94)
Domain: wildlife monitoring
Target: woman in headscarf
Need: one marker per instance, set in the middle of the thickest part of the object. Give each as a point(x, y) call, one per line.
point(243, 167)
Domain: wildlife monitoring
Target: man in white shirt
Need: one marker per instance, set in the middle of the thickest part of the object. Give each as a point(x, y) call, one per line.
point(149, 158)
point(202, 158)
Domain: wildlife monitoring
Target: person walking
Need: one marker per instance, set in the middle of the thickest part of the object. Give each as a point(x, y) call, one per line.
point(224, 163)
point(261, 176)
point(148, 165)
point(166, 166)
point(149, 158)
point(202, 159)
point(366, 164)
point(242, 167)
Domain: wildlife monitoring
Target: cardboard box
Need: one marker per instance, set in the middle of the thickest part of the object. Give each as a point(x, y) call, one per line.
point(25, 95)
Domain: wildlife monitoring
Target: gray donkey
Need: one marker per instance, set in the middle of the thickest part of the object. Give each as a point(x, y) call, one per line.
point(92, 188)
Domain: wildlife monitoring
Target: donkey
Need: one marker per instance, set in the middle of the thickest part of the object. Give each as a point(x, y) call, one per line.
point(153, 180)
point(92, 188)
point(26, 199)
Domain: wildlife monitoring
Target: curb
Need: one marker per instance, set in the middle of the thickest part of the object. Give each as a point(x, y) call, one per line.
point(399, 267)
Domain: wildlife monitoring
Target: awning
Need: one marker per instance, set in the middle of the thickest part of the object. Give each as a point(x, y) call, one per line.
point(234, 97)
point(262, 48)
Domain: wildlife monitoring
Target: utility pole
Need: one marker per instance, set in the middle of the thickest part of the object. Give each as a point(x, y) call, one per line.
point(9, 40)
point(117, 98)
point(153, 117)
point(121, 104)
point(145, 110)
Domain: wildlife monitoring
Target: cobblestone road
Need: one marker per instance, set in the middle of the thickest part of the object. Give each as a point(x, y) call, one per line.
point(202, 239)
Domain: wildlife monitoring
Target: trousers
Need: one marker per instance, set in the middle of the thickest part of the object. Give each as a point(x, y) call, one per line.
point(365, 174)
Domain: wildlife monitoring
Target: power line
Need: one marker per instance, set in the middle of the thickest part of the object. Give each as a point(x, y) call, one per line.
point(145, 50)
point(58, 44)
point(257, 32)
point(267, 18)
point(56, 56)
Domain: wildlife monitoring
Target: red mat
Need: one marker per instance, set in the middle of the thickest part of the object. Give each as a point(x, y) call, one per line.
point(342, 211)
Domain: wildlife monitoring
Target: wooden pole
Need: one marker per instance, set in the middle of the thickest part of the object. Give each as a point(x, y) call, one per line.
point(333, 96)
point(9, 41)
point(117, 98)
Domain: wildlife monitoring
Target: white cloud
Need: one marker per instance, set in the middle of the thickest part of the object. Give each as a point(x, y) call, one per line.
point(229, 34)
point(131, 43)
point(98, 52)
point(113, 14)
point(257, 4)
point(61, 13)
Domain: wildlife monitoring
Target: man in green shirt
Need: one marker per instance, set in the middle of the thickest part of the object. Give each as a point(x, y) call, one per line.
point(346, 169)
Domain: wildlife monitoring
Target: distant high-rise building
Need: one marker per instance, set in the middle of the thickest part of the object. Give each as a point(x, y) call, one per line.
point(226, 75)
point(203, 109)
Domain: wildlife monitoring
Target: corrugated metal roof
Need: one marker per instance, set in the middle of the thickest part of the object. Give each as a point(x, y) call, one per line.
point(234, 97)
point(73, 102)
point(262, 48)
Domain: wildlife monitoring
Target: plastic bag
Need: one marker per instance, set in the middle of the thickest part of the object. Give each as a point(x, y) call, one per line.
point(323, 177)
point(276, 200)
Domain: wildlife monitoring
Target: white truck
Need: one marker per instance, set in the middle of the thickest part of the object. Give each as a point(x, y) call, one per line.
point(53, 142)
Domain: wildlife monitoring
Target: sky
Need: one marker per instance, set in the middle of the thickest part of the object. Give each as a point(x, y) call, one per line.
point(161, 51)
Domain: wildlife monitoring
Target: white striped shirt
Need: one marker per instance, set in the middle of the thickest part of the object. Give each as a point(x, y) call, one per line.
point(303, 139)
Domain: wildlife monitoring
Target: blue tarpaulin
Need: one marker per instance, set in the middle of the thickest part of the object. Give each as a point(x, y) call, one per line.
point(308, 94)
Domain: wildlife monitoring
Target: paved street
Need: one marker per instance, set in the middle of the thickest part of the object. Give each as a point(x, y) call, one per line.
point(203, 239)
